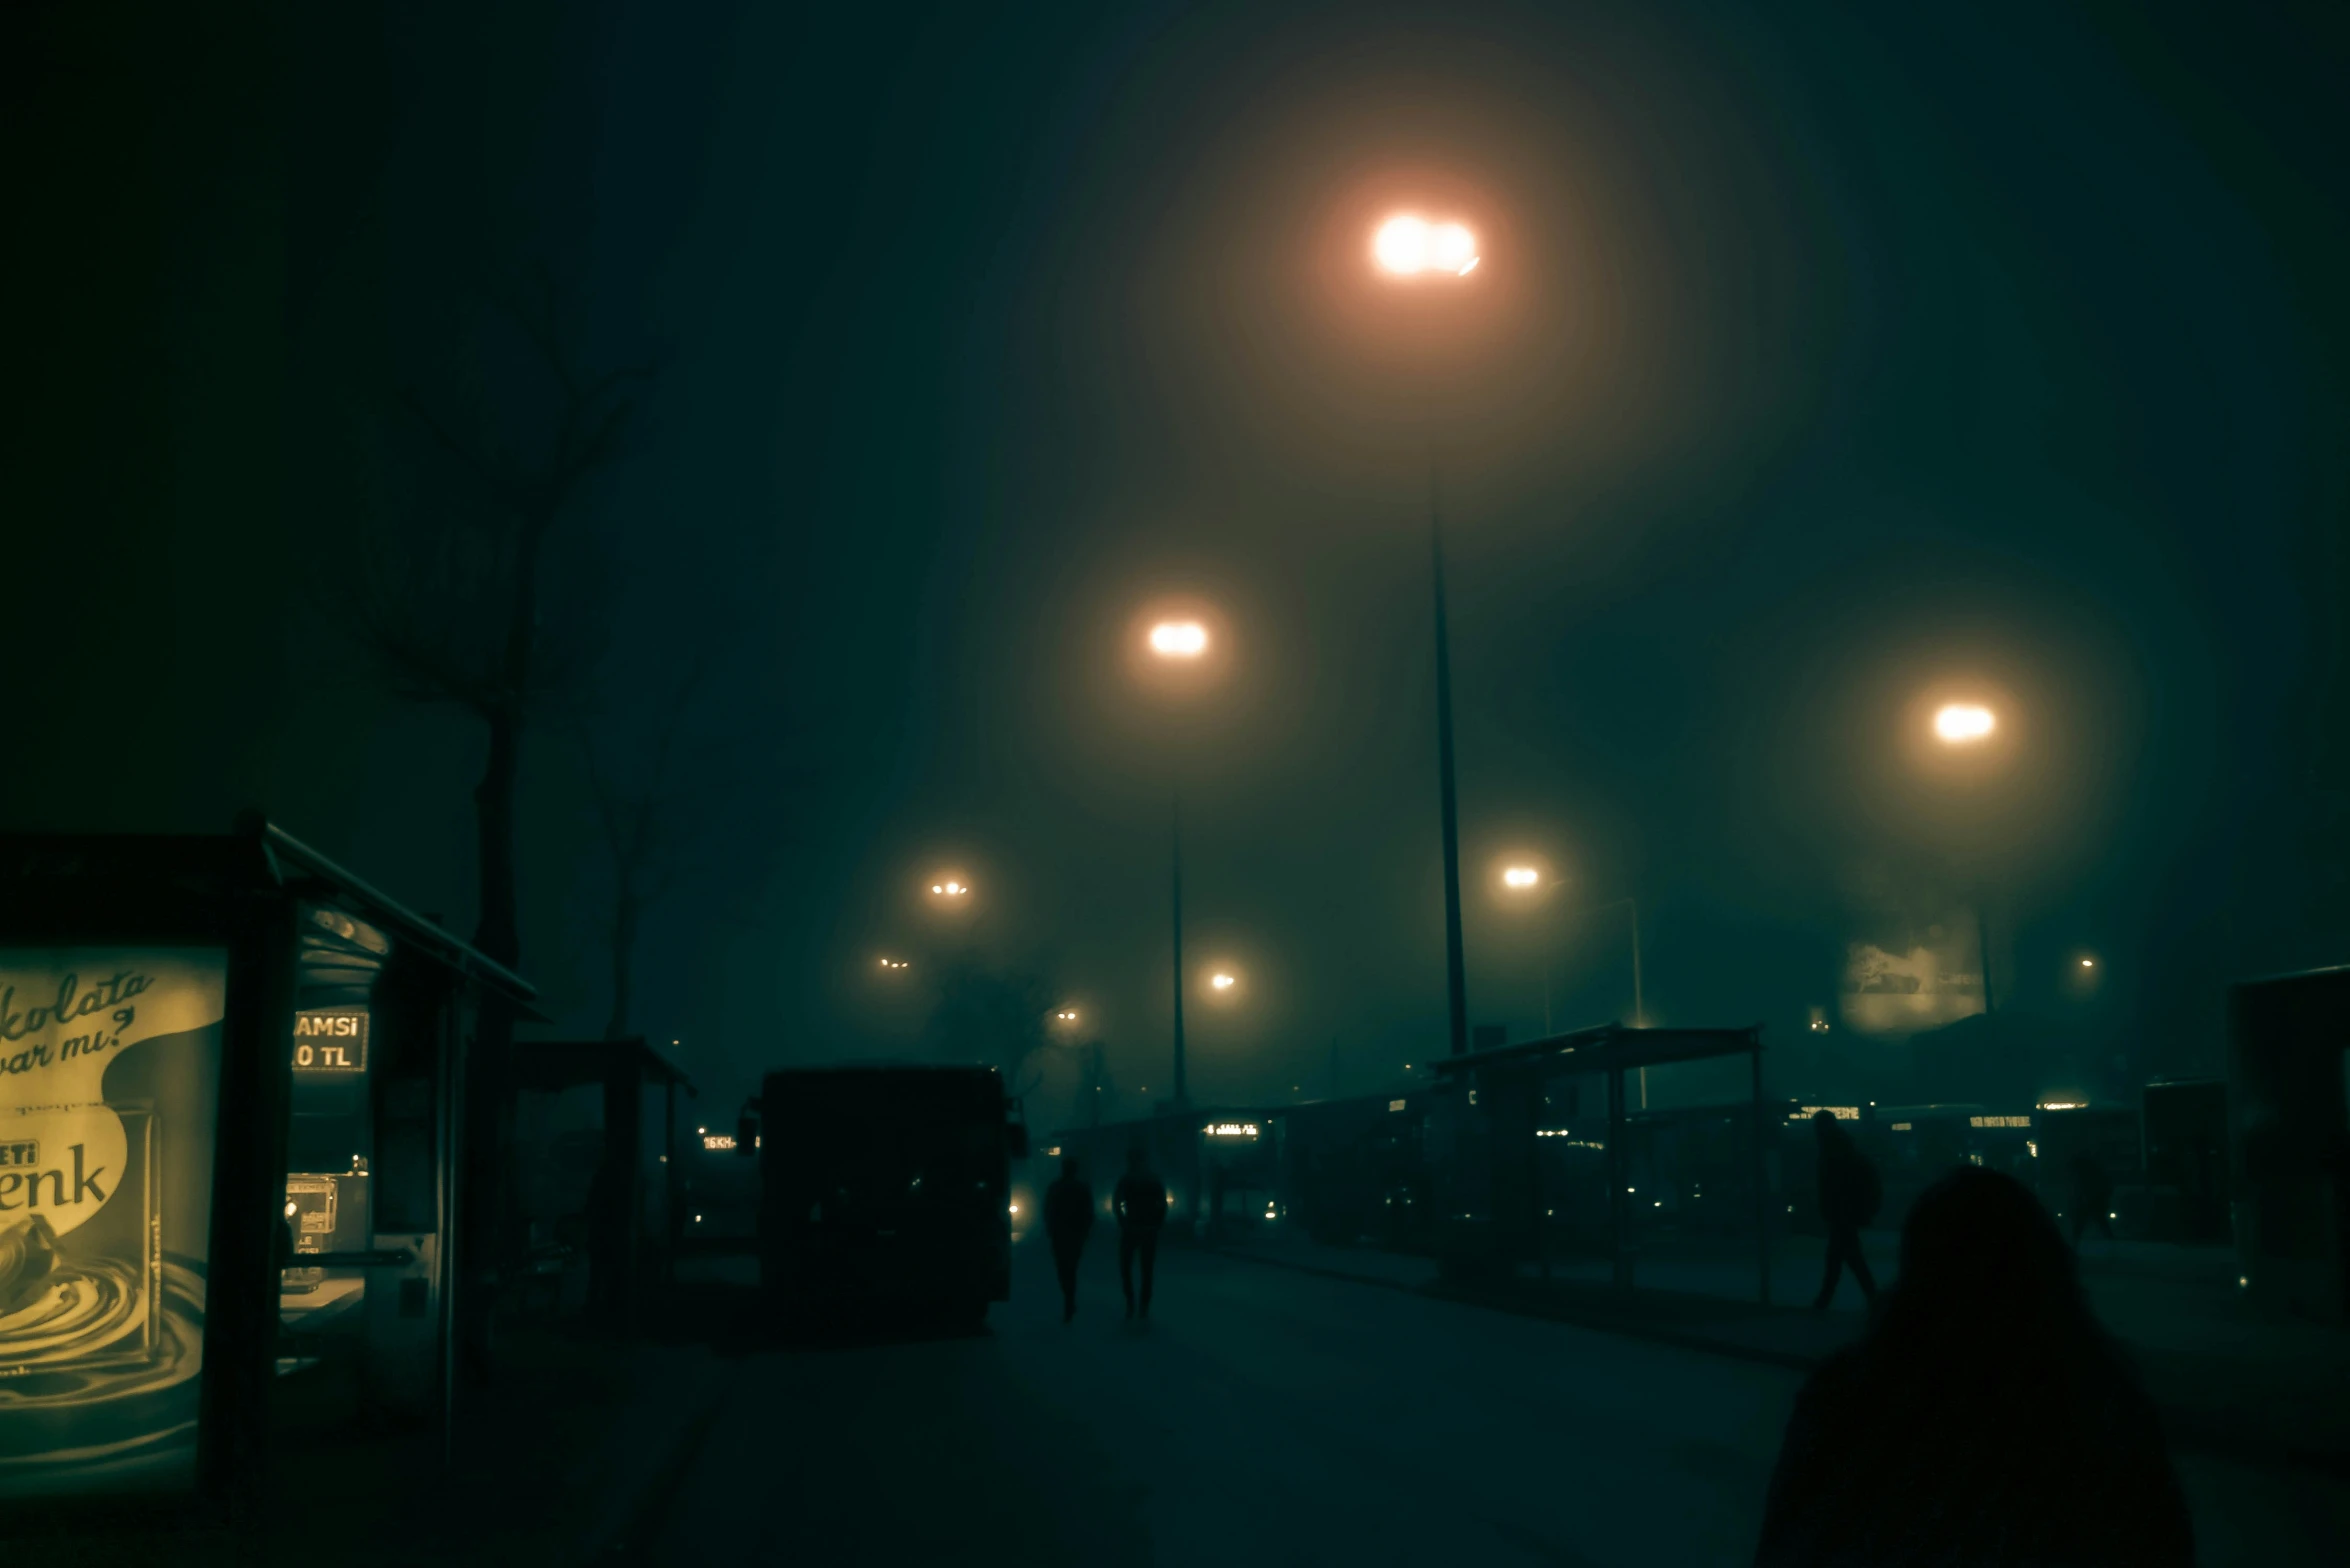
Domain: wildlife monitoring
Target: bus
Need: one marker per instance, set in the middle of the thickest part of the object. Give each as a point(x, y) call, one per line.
point(884, 1188)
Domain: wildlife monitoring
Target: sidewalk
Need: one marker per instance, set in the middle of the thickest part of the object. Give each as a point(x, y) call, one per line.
point(2262, 1389)
point(555, 1465)
point(552, 1465)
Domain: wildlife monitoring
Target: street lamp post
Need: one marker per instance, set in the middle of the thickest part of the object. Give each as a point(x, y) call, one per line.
point(1177, 642)
point(1175, 882)
point(1410, 247)
point(1960, 725)
point(1455, 962)
point(1528, 880)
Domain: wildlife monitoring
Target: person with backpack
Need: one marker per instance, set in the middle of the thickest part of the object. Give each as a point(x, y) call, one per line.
point(1850, 1192)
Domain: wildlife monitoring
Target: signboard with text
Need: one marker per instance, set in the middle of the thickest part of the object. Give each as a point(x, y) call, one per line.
point(331, 1040)
point(109, 1085)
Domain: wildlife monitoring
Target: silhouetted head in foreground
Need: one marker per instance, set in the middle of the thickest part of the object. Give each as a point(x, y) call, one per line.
point(1986, 1418)
point(1985, 1272)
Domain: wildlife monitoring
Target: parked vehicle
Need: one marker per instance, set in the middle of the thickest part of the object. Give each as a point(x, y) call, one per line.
point(884, 1186)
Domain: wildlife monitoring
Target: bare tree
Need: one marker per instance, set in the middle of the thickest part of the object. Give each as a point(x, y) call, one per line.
point(1094, 1090)
point(993, 1015)
point(670, 803)
point(450, 596)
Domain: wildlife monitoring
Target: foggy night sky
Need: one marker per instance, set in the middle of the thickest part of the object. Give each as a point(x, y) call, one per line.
point(1815, 361)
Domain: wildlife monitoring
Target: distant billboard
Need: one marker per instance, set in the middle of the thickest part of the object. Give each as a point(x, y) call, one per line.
point(1933, 983)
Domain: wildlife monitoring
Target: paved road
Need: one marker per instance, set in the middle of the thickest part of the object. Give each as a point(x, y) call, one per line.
point(1269, 1417)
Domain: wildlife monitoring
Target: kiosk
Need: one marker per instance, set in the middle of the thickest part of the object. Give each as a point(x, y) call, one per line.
point(232, 1108)
point(2290, 1140)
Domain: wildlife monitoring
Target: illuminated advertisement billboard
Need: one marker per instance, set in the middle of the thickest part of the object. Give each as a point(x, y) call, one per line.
point(1902, 992)
point(109, 1085)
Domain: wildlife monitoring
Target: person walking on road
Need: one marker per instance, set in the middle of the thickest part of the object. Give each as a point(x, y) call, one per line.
point(2092, 1196)
point(1141, 1202)
point(1850, 1191)
point(1068, 1220)
point(1986, 1417)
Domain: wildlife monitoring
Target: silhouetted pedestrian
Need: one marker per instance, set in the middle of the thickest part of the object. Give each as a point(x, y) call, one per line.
point(1849, 1194)
point(2092, 1196)
point(1986, 1420)
point(1068, 1220)
point(1141, 1202)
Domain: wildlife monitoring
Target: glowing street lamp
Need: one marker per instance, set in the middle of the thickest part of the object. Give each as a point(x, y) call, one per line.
point(896, 963)
point(1521, 878)
point(951, 889)
point(1963, 723)
point(1409, 246)
point(1222, 982)
point(1179, 639)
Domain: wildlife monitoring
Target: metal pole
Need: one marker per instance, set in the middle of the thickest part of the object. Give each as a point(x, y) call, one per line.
point(1639, 1005)
point(1619, 1211)
point(1983, 940)
point(1455, 967)
point(1535, 1099)
point(1762, 1187)
point(669, 1191)
point(1176, 879)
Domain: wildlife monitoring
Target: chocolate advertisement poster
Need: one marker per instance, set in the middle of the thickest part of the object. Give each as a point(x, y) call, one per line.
point(109, 1077)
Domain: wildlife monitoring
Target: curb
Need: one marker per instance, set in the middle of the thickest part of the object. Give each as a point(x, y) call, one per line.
point(632, 1538)
point(1621, 1327)
point(631, 1510)
point(2191, 1429)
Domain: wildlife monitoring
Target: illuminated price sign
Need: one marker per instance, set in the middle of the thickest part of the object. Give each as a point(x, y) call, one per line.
point(331, 1040)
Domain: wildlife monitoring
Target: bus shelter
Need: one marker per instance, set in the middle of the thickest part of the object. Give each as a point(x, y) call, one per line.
point(1220, 1164)
point(597, 1169)
point(2290, 1139)
point(232, 1120)
point(1503, 1111)
point(1354, 1170)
